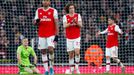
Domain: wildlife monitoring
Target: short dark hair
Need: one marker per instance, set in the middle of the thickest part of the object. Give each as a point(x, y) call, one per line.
point(67, 7)
point(113, 18)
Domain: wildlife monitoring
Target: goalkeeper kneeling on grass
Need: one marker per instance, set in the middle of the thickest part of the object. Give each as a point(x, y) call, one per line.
point(23, 53)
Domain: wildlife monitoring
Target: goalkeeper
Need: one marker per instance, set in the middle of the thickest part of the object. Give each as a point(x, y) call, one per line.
point(23, 53)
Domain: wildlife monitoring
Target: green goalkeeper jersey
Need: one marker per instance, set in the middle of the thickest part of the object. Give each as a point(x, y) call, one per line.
point(24, 54)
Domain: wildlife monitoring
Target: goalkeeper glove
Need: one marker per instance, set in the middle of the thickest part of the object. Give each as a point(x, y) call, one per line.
point(56, 38)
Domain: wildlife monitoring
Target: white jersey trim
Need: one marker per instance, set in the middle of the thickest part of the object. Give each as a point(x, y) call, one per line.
point(55, 13)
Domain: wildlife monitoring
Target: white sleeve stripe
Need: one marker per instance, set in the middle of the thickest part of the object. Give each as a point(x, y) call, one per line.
point(55, 14)
point(117, 29)
point(64, 19)
point(103, 32)
point(79, 17)
point(36, 14)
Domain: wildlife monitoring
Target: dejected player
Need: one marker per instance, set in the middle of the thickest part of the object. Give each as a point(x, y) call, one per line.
point(112, 43)
point(47, 20)
point(23, 53)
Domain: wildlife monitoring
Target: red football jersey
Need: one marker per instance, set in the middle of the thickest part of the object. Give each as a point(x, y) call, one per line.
point(72, 32)
point(47, 25)
point(112, 37)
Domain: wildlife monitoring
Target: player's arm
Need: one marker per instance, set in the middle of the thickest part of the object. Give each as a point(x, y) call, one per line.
point(34, 55)
point(65, 24)
point(56, 24)
point(19, 56)
point(117, 29)
point(56, 21)
point(79, 23)
point(36, 18)
point(103, 32)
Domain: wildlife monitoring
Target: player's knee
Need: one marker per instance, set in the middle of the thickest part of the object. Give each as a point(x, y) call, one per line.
point(43, 51)
point(51, 49)
point(115, 59)
point(71, 55)
point(30, 71)
point(77, 52)
point(107, 57)
point(36, 71)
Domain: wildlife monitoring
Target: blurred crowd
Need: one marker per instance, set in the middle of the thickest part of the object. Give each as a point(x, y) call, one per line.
point(16, 18)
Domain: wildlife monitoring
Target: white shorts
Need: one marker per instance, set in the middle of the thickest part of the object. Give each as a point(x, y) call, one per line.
point(44, 43)
point(112, 52)
point(72, 44)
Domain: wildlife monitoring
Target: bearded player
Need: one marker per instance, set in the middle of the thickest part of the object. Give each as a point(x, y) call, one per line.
point(112, 43)
point(47, 20)
point(72, 23)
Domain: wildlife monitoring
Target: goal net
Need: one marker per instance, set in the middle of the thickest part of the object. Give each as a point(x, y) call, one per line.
point(16, 22)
